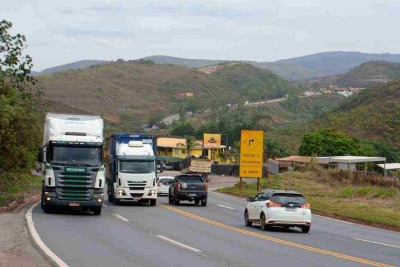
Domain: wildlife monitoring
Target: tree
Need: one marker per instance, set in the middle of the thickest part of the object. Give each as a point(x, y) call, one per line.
point(19, 129)
point(328, 142)
point(182, 128)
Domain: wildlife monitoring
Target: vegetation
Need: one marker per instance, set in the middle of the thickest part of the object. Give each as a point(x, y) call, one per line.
point(19, 131)
point(372, 115)
point(334, 192)
point(370, 74)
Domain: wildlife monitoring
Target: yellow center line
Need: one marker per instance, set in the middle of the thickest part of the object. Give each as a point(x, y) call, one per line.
point(277, 240)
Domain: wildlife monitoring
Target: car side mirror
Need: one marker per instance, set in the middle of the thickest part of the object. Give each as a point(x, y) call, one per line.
point(250, 199)
point(40, 155)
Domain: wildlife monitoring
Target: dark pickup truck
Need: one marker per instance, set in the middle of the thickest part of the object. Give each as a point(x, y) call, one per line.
point(191, 187)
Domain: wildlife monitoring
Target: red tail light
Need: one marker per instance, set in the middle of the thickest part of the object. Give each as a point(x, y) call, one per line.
point(273, 204)
point(206, 186)
point(158, 184)
point(305, 206)
point(179, 186)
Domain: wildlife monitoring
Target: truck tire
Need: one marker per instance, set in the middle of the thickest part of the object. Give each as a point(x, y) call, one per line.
point(110, 194)
point(197, 202)
point(97, 211)
point(153, 202)
point(204, 202)
point(170, 200)
point(42, 198)
point(115, 201)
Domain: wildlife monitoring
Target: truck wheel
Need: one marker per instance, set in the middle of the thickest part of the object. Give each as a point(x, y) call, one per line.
point(110, 194)
point(42, 198)
point(153, 202)
point(204, 202)
point(97, 211)
point(170, 200)
point(115, 201)
point(197, 202)
point(176, 201)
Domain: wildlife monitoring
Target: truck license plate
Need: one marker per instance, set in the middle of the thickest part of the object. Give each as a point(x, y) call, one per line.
point(192, 195)
point(74, 204)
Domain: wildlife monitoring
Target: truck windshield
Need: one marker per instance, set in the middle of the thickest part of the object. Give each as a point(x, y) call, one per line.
point(74, 155)
point(137, 166)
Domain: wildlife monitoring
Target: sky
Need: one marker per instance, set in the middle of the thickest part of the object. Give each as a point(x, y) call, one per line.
point(61, 32)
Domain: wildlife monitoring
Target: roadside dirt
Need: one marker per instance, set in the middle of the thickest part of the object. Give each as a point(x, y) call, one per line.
point(16, 248)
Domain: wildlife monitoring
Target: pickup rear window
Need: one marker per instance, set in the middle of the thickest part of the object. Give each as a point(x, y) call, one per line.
point(284, 198)
point(190, 179)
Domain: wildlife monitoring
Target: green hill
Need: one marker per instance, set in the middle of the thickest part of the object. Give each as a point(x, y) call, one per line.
point(370, 74)
point(127, 94)
point(372, 115)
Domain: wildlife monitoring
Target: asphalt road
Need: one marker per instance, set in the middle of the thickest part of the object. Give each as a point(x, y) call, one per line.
point(167, 235)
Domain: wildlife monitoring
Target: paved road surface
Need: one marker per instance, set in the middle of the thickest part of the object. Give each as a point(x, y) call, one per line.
point(166, 235)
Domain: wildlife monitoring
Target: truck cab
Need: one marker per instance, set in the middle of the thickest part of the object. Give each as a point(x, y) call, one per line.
point(131, 169)
point(72, 163)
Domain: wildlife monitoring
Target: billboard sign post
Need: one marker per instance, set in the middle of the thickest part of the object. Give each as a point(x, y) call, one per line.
point(251, 155)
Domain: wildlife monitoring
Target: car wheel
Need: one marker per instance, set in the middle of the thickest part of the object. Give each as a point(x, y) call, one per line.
point(97, 211)
point(176, 201)
point(204, 203)
point(153, 202)
point(305, 228)
point(247, 222)
point(263, 223)
point(197, 202)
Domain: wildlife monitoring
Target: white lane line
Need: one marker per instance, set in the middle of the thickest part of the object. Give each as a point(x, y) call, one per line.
point(336, 220)
point(226, 207)
point(36, 238)
point(120, 217)
point(378, 243)
point(178, 244)
point(227, 195)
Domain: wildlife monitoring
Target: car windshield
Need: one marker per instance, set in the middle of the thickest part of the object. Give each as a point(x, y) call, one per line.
point(165, 181)
point(74, 155)
point(190, 179)
point(137, 166)
point(284, 198)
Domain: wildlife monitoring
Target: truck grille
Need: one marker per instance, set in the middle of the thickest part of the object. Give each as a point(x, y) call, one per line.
point(137, 185)
point(75, 187)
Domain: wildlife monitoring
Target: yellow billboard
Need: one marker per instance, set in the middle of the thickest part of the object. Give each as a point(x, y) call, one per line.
point(211, 139)
point(251, 153)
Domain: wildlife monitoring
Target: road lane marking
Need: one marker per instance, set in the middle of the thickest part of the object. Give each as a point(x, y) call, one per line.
point(120, 217)
point(336, 220)
point(383, 244)
point(178, 244)
point(226, 207)
point(227, 195)
point(36, 238)
point(277, 240)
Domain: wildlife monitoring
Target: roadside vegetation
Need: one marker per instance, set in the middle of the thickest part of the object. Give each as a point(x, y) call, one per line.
point(372, 199)
point(19, 119)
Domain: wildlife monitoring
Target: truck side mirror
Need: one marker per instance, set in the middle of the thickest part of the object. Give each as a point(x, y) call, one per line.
point(40, 155)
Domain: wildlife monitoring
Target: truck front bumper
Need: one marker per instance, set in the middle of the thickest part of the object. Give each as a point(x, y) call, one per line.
point(53, 202)
point(135, 195)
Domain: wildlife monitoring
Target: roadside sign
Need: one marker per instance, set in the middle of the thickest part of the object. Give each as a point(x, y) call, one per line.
point(251, 153)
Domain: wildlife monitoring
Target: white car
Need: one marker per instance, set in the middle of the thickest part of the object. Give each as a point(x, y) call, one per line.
point(278, 208)
point(163, 184)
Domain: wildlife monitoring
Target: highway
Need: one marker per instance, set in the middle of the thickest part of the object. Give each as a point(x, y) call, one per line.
point(167, 235)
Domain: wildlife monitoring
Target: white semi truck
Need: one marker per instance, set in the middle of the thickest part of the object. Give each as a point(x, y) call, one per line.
point(131, 169)
point(72, 163)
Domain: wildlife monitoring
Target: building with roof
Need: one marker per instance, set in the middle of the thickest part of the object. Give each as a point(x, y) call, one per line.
point(172, 147)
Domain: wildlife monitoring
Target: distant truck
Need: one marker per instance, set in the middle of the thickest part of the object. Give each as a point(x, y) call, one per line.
point(72, 165)
point(131, 168)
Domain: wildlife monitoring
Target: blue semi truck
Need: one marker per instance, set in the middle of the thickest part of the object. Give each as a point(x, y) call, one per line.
point(131, 168)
